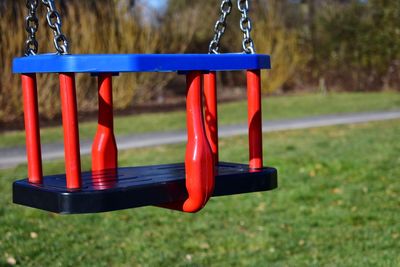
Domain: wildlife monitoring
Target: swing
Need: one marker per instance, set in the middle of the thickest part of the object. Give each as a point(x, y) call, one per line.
point(183, 186)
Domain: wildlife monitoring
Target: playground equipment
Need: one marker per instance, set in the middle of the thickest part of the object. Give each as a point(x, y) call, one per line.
point(184, 186)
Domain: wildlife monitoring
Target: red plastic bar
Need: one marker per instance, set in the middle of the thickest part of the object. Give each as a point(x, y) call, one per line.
point(211, 112)
point(104, 149)
point(71, 133)
point(254, 119)
point(32, 131)
point(199, 166)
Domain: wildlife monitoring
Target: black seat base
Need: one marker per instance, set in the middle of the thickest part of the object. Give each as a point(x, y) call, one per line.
point(135, 187)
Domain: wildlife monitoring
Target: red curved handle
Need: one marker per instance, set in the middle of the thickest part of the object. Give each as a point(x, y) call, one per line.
point(199, 163)
point(199, 166)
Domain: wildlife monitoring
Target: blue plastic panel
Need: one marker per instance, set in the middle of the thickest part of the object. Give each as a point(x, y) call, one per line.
point(51, 63)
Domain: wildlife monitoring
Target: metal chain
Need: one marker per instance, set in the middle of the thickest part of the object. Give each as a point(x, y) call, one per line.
point(220, 26)
point(31, 26)
point(54, 21)
point(245, 26)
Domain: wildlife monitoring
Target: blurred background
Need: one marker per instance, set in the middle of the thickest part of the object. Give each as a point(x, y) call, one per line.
point(335, 63)
point(325, 45)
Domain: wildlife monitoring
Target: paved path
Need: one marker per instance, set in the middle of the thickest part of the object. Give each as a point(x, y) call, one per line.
point(12, 156)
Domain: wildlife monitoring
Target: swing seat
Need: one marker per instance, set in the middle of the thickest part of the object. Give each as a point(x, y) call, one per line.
point(109, 187)
point(135, 187)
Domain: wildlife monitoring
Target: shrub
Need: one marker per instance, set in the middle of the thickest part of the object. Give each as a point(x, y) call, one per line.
point(93, 27)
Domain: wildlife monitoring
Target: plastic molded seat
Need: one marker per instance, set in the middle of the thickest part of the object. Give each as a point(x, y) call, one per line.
point(135, 187)
point(185, 186)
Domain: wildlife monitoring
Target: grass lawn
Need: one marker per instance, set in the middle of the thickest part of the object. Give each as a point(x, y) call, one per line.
point(337, 204)
point(281, 107)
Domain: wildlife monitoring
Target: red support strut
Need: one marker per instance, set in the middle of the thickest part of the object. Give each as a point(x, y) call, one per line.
point(71, 133)
point(211, 120)
point(104, 149)
point(254, 119)
point(32, 131)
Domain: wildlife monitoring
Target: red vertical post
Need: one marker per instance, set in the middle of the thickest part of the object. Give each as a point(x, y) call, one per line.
point(71, 133)
point(211, 112)
point(32, 130)
point(104, 149)
point(254, 119)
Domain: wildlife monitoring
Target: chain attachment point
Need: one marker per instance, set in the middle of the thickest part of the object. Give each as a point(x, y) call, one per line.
point(54, 21)
point(31, 27)
point(245, 26)
point(220, 26)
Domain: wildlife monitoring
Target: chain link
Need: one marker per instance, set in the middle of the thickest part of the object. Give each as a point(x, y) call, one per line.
point(220, 26)
point(54, 21)
point(245, 27)
point(31, 27)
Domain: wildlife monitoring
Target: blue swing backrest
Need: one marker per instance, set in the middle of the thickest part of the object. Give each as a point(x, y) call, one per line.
point(115, 63)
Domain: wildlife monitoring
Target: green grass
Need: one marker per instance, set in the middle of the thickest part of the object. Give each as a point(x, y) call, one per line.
point(337, 205)
point(282, 107)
